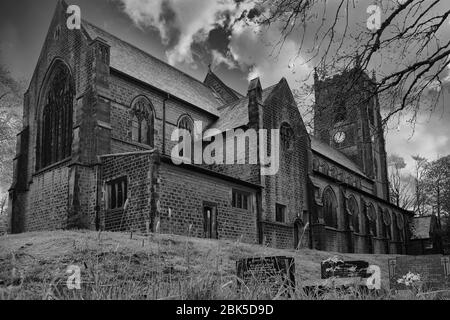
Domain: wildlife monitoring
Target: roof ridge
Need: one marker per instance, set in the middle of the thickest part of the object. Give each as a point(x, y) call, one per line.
point(228, 88)
point(242, 98)
point(146, 53)
point(334, 149)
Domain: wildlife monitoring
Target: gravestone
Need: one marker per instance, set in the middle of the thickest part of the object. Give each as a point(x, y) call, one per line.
point(344, 269)
point(270, 272)
point(433, 272)
point(339, 276)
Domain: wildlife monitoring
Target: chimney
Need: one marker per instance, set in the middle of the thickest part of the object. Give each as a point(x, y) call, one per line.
point(255, 104)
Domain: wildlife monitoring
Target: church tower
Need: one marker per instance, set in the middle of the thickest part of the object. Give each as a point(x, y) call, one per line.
point(347, 117)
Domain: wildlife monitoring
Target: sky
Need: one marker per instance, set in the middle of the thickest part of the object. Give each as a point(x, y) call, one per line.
point(191, 35)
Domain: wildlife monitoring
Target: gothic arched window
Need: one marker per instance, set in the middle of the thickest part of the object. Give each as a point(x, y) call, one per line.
point(400, 224)
point(142, 121)
point(56, 132)
point(186, 123)
point(387, 221)
point(354, 213)
point(330, 208)
point(286, 136)
point(340, 114)
point(372, 220)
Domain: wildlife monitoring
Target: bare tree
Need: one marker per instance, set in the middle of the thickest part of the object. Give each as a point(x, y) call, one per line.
point(421, 199)
point(3, 201)
point(401, 189)
point(437, 185)
point(408, 45)
point(10, 115)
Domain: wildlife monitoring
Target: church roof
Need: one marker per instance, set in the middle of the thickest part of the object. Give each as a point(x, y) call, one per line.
point(335, 155)
point(142, 66)
point(235, 114)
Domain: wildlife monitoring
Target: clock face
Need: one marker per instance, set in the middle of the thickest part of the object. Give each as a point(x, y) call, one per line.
point(339, 137)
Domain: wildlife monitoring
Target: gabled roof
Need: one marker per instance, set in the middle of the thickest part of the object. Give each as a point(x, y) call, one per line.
point(335, 155)
point(227, 94)
point(144, 67)
point(422, 227)
point(235, 115)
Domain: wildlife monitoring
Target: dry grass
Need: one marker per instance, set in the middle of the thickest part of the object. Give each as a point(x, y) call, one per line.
point(114, 266)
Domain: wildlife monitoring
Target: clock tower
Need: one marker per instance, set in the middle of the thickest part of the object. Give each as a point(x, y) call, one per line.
point(347, 117)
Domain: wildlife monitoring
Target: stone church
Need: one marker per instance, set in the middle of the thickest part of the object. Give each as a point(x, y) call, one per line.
point(94, 153)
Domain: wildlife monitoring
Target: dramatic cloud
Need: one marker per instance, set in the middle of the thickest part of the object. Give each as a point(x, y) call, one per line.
point(428, 138)
point(255, 48)
point(253, 51)
point(218, 59)
point(181, 23)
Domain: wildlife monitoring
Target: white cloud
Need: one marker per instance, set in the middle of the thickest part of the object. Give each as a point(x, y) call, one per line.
point(184, 21)
point(219, 58)
point(255, 48)
point(429, 138)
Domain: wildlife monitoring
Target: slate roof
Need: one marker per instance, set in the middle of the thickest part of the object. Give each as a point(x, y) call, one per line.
point(421, 227)
point(142, 66)
point(335, 155)
point(235, 115)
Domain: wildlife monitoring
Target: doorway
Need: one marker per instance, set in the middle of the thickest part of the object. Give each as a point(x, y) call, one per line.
point(210, 220)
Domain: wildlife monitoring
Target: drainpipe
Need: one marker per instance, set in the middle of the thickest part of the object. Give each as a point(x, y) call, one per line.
point(164, 124)
point(310, 217)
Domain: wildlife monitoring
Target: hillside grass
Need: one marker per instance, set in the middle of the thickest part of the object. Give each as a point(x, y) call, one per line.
point(115, 266)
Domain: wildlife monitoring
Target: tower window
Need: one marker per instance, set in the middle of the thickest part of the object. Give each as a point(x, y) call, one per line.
point(287, 136)
point(340, 114)
point(371, 114)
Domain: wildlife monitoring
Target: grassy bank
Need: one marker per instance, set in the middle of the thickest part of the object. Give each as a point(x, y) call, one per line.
point(116, 266)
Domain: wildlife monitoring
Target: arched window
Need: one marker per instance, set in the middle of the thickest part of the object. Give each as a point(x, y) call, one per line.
point(400, 226)
point(56, 131)
point(387, 221)
point(394, 229)
point(354, 214)
point(330, 208)
point(340, 114)
point(372, 220)
point(325, 168)
point(286, 136)
point(142, 122)
point(186, 123)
